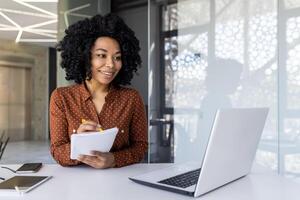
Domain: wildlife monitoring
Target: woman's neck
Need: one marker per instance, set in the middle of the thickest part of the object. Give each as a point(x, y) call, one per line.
point(96, 88)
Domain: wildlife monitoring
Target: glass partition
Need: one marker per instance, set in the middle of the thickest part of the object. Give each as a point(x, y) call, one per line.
point(205, 55)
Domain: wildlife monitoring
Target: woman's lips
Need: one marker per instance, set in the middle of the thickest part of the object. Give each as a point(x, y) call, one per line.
point(106, 73)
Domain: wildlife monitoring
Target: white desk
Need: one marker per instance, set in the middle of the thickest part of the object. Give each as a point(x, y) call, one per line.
point(85, 183)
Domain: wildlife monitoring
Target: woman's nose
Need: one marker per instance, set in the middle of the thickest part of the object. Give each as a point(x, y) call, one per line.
point(109, 62)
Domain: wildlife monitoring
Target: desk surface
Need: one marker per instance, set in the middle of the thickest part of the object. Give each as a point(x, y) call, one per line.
point(83, 182)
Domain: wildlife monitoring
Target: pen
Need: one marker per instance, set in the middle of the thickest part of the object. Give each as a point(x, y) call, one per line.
point(98, 129)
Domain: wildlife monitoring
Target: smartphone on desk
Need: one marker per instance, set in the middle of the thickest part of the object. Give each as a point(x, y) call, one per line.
point(29, 168)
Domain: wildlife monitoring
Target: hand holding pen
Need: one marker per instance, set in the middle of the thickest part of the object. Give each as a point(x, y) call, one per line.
point(98, 159)
point(87, 125)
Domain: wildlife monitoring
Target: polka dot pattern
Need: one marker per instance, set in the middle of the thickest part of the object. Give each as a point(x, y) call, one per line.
point(123, 108)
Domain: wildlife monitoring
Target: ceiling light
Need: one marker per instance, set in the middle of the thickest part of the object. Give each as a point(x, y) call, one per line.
point(40, 1)
point(41, 28)
point(27, 13)
point(67, 12)
point(38, 40)
point(35, 8)
point(40, 33)
point(10, 20)
point(19, 36)
point(42, 24)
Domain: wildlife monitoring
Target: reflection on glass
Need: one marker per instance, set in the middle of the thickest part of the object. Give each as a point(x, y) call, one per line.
point(227, 56)
point(241, 72)
point(169, 17)
point(229, 39)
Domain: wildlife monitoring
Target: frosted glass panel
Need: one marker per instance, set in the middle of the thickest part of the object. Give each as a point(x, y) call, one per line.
point(214, 54)
point(236, 66)
point(289, 52)
point(290, 4)
point(189, 87)
point(293, 62)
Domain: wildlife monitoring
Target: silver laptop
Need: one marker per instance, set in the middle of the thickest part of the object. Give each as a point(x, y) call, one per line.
point(229, 155)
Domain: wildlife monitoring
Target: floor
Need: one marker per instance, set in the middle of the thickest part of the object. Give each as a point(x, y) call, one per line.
point(27, 151)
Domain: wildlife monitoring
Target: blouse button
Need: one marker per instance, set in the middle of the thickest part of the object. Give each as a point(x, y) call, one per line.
point(122, 131)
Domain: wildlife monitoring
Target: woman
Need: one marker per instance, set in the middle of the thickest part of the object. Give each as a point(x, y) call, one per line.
point(100, 54)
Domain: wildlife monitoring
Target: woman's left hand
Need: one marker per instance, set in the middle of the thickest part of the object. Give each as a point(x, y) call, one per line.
point(98, 160)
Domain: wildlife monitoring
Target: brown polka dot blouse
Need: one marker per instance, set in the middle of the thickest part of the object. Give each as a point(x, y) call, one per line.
point(123, 108)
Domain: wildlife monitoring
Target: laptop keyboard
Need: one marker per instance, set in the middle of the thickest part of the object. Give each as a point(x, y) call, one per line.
point(183, 180)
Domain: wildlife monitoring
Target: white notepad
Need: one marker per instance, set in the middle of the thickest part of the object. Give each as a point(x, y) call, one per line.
point(84, 143)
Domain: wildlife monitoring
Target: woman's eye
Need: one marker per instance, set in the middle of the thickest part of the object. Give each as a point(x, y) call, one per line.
point(117, 58)
point(101, 55)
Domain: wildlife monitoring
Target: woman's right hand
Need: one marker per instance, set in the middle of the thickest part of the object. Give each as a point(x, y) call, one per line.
point(87, 126)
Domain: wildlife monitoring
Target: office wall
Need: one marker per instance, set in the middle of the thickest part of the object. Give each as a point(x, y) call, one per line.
point(37, 59)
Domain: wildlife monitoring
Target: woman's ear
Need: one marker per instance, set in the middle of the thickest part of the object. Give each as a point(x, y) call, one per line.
point(88, 73)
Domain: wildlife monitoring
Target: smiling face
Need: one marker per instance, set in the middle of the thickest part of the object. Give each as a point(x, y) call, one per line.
point(106, 60)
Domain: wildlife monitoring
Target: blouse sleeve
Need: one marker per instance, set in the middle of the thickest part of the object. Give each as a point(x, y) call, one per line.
point(60, 141)
point(138, 136)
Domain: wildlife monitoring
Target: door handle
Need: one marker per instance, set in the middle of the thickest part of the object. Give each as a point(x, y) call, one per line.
point(166, 128)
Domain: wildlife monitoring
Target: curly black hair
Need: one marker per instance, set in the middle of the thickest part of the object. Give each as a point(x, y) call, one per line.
point(80, 37)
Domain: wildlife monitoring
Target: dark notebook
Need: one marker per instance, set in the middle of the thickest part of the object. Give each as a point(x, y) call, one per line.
point(18, 185)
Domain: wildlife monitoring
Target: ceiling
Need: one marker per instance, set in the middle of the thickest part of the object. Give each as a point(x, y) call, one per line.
point(29, 21)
